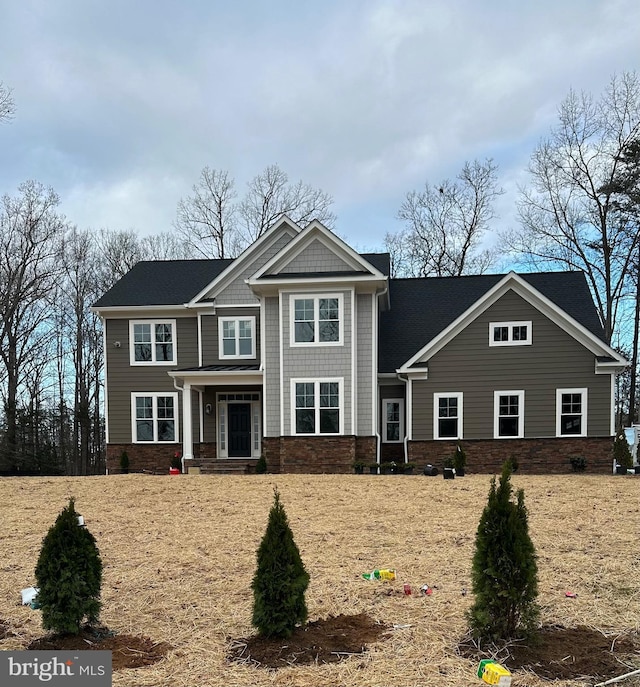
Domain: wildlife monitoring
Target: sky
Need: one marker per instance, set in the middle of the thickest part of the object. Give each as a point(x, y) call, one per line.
point(120, 104)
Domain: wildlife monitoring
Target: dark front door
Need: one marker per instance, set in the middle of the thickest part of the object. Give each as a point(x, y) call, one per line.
point(239, 430)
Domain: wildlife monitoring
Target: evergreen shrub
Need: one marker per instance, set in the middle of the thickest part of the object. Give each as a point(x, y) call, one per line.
point(280, 580)
point(621, 453)
point(261, 466)
point(68, 575)
point(504, 574)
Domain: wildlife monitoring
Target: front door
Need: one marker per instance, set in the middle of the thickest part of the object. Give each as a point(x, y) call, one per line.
point(239, 430)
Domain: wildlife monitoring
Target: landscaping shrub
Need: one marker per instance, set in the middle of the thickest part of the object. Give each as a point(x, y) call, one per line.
point(68, 575)
point(280, 580)
point(261, 466)
point(459, 459)
point(124, 463)
point(504, 568)
point(578, 463)
point(621, 452)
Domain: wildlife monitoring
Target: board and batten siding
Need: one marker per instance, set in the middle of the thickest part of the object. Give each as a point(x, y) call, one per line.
point(210, 336)
point(271, 338)
point(237, 292)
point(316, 362)
point(316, 257)
point(554, 360)
point(125, 378)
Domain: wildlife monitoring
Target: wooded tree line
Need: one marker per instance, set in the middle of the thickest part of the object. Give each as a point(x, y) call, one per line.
point(579, 210)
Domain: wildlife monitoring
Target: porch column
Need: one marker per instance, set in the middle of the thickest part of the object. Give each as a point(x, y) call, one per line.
point(187, 426)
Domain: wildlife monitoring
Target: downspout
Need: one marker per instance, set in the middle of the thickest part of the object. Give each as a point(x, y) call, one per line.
point(407, 416)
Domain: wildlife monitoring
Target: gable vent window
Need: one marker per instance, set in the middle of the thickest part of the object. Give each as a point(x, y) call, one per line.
point(510, 333)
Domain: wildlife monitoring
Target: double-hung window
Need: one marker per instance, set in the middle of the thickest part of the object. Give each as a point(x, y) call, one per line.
point(152, 342)
point(154, 417)
point(510, 333)
point(508, 414)
point(447, 416)
point(316, 406)
point(316, 320)
point(393, 420)
point(236, 336)
point(571, 412)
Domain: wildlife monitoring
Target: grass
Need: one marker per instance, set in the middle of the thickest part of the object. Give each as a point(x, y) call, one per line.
point(179, 555)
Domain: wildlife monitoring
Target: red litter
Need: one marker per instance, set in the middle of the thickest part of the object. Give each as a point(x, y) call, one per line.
point(571, 595)
point(426, 590)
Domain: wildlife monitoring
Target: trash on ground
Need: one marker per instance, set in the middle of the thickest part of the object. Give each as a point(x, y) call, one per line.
point(493, 673)
point(571, 595)
point(407, 589)
point(426, 590)
point(401, 627)
point(28, 595)
point(381, 574)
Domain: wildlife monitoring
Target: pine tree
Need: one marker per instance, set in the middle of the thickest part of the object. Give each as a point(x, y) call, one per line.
point(281, 580)
point(504, 568)
point(69, 575)
point(621, 451)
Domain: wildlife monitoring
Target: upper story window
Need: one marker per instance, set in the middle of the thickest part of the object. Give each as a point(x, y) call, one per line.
point(571, 412)
point(317, 320)
point(447, 416)
point(236, 337)
point(508, 414)
point(154, 417)
point(510, 333)
point(152, 342)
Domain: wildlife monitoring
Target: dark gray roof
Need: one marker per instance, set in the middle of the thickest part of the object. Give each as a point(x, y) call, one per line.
point(220, 368)
point(422, 308)
point(162, 282)
point(174, 282)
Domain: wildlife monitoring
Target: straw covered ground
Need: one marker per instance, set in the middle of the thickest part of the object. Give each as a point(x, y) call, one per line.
point(179, 556)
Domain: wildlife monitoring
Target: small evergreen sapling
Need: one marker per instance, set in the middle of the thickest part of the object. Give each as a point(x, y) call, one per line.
point(280, 580)
point(621, 451)
point(69, 575)
point(505, 572)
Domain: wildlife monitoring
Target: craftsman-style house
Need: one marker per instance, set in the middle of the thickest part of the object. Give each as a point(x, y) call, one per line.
point(306, 352)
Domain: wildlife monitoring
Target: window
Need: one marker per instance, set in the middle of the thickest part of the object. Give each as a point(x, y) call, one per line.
point(317, 406)
point(508, 414)
point(510, 333)
point(236, 337)
point(392, 420)
point(316, 320)
point(152, 343)
point(154, 418)
point(447, 416)
point(571, 412)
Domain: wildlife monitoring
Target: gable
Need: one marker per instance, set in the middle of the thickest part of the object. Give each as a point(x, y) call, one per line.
point(316, 257)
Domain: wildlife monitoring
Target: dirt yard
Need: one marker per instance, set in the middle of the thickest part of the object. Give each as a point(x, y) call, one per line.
point(179, 555)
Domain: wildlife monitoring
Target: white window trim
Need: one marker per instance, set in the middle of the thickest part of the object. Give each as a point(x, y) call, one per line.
point(154, 395)
point(583, 425)
point(256, 425)
point(315, 297)
point(221, 321)
point(153, 323)
point(511, 325)
point(400, 402)
point(496, 407)
point(436, 417)
point(316, 381)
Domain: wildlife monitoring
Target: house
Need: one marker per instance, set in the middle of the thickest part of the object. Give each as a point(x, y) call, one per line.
point(306, 352)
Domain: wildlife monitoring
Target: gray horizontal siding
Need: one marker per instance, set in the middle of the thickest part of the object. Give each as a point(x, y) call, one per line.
point(469, 365)
point(364, 377)
point(210, 337)
point(124, 378)
point(316, 257)
point(271, 337)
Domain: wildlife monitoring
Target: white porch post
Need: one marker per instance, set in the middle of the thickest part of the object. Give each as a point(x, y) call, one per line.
point(187, 426)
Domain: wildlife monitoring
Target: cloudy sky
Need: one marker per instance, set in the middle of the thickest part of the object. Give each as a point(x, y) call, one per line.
point(120, 104)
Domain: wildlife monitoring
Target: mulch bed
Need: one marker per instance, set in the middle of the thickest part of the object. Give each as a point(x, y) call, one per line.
point(127, 651)
point(321, 641)
point(565, 653)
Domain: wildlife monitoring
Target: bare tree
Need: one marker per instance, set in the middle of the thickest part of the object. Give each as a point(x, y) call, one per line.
point(7, 104)
point(444, 224)
point(206, 220)
point(567, 212)
point(270, 194)
point(214, 225)
point(30, 230)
